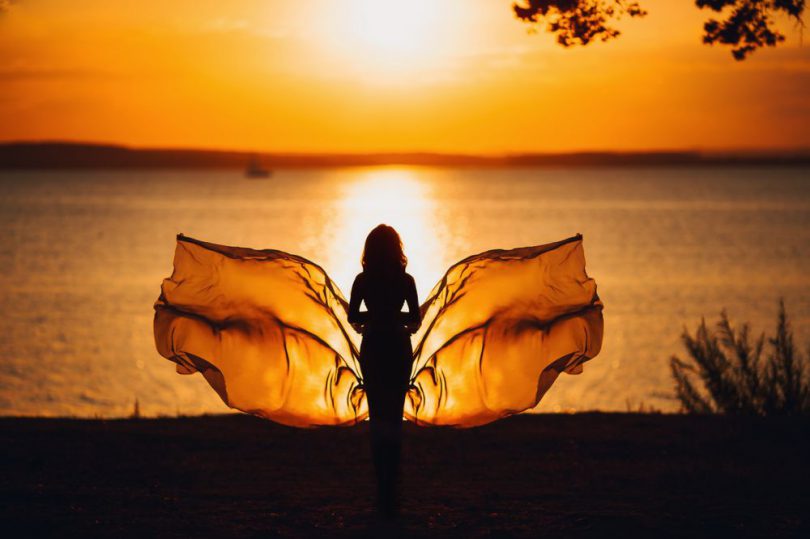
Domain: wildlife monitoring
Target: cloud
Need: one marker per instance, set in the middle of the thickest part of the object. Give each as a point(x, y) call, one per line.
point(44, 73)
point(225, 25)
point(5, 5)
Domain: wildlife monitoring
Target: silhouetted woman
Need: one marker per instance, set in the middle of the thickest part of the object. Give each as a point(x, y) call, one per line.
point(385, 353)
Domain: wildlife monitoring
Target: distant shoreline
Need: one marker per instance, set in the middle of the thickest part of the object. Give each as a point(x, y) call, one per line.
point(66, 155)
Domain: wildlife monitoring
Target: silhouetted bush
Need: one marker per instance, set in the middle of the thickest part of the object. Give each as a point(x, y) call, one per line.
point(734, 375)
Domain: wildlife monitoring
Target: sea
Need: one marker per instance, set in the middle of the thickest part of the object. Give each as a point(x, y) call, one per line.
point(84, 253)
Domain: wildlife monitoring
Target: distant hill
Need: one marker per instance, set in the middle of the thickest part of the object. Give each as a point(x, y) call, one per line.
point(64, 155)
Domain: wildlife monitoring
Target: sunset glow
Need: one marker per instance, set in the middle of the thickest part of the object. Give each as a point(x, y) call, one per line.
point(383, 75)
point(405, 268)
point(399, 31)
point(396, 197)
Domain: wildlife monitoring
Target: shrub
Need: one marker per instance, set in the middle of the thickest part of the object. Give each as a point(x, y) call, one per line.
point(726, 371)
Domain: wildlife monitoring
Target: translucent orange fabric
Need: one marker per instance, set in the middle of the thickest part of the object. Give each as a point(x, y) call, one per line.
point(269, 331)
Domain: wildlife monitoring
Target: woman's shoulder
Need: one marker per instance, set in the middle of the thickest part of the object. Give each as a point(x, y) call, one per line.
point(364, 277)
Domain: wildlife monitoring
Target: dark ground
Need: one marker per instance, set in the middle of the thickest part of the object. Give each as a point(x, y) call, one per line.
point(584, 475)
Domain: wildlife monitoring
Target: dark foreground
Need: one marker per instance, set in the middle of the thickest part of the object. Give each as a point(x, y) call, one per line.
point(586, 475)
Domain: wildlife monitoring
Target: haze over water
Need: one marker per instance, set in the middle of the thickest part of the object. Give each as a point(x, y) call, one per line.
point(85, 252)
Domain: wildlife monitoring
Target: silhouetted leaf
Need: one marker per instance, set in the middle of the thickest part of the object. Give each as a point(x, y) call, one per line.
point(745, 25)
point(577, 22)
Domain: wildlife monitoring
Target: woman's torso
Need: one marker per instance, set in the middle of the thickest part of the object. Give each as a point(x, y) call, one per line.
point(384, 295)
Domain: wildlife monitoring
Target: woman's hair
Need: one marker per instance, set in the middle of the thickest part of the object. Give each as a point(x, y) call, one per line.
point(383, 251)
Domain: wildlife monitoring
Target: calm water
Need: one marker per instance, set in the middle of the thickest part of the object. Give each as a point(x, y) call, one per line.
point(84, 254)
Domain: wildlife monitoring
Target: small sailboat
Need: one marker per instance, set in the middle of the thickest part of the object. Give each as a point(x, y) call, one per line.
point(256, 170)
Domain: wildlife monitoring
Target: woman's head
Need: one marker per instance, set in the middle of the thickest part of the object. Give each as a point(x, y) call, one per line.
point(383, 250)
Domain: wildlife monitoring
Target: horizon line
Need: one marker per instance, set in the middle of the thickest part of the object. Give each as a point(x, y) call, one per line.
point(28, 155)
point(671, 150)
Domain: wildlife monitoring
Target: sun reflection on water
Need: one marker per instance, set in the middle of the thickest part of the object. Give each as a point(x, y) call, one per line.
point(397, 197)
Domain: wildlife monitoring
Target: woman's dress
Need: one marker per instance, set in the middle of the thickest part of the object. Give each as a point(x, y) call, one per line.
point(385, 364)
point(270, 333)
point(385, 352)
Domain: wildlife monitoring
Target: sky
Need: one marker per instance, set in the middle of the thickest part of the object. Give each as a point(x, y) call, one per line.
point(460, 76)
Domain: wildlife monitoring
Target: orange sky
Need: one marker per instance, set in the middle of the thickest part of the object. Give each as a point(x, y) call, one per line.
point(322, 75)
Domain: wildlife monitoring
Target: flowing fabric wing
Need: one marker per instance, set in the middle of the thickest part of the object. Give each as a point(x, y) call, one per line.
point(267, 330)
point(498, 329)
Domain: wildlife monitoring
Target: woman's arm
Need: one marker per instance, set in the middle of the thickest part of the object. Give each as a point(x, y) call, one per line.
point(414, 317)
point(356, 318)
